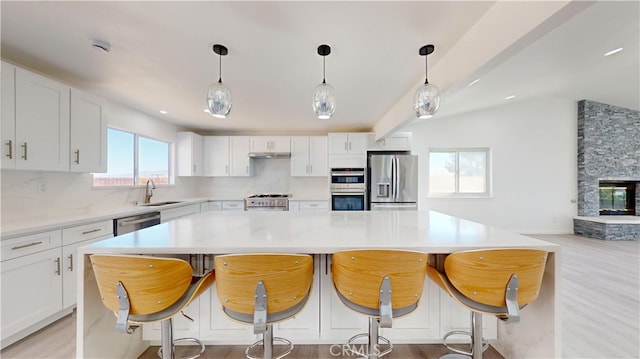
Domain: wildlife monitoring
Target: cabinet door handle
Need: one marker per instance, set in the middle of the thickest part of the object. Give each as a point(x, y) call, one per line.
point(24, 146)
point(349, 146)
point(77, 161)
point(310, 169)
point(70, 262)
point(58, 266)
point(26, 245)
point(10, 154)
point(345, 146)
point(247, 170)
point(226, 169)
point(91, 231)
point(194, 169)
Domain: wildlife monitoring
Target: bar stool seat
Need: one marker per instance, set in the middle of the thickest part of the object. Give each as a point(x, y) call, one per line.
point(143, 289)
point(262, 289)
point(382, 284)
point(497, 282)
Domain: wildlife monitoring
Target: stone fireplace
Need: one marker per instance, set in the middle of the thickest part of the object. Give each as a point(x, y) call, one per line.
point(608, 172)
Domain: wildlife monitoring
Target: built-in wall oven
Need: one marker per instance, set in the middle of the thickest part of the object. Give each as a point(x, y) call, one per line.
point(348, 189)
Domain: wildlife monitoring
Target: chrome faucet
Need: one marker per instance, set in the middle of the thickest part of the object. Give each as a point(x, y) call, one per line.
point(148, 192)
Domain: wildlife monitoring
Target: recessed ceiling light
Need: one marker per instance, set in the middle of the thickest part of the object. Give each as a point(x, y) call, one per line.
point(163, 112)
point(614, 51)
point(509, 97)
point(207, 111)
point(473, 82)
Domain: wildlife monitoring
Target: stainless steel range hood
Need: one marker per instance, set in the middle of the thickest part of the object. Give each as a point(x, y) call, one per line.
point(270, 154)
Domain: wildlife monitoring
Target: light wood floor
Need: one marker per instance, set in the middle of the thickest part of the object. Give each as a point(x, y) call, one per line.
point(600, 314)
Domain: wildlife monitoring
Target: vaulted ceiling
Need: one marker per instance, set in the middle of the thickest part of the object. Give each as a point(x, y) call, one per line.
point(161, 56)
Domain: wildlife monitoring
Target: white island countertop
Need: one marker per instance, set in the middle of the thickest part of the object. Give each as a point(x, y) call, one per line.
point(314, 232)
point(537, 335)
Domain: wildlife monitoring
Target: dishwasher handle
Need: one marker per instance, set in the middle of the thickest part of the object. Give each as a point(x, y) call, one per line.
point(136, 221)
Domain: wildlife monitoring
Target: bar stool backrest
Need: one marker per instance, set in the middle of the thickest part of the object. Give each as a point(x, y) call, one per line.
point(482, 275)
point(152, 283)
point(286, 277)
point(357, 275)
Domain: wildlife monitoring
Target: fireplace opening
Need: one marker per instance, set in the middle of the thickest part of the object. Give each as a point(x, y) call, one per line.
point(617, 198)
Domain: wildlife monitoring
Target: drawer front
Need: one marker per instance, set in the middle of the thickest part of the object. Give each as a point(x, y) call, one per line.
point(318, 205)
point(233, 206)
point(25, 245)
point(87, 232)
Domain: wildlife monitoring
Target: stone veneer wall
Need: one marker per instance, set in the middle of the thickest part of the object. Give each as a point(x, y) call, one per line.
point(608, 149)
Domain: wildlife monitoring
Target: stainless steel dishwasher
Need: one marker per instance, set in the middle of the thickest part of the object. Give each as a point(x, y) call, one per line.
point(133, 223)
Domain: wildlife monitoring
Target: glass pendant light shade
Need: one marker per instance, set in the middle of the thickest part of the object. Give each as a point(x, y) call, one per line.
point(219, 95)
point(219, 100)
point(324, 98)
point(324, 101)
point(426, 100)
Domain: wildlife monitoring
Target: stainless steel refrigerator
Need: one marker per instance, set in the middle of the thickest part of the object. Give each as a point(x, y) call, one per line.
point(393, 182)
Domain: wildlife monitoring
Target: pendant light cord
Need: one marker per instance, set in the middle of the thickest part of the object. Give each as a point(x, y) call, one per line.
point(323, 70)
point(426, 70)
point(220, 69)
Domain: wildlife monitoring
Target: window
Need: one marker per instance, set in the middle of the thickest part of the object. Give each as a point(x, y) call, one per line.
point(133, 159)
point(459, 172)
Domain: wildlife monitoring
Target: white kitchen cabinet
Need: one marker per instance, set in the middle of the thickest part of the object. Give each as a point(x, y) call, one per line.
point(233, 205)
point(217, 326)
point(189, 153)
point(313, 206)
point(396, 142)
point(8, 119)
point(227, 156)
point(270, 144)
point(72, 239)
point(31, 279)
point(88, 133)
point(309, 156)
point(170, 214)
point(42, 123)
point(212, 206)
point(454, 317)
point(337, 322)
point(349, 143)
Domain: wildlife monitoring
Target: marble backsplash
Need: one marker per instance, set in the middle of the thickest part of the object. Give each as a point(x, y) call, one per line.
point(36, 194)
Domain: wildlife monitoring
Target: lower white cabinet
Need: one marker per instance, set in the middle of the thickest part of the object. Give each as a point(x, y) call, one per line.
point(454, 317)
point(233, 205)
point(38, 276)
point(308, 206)
point(170, 214)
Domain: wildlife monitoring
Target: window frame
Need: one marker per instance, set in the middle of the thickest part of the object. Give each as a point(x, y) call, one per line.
point(136, 162)
point(487, 193)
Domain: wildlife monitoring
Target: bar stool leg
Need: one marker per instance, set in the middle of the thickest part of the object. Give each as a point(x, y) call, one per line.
point(476, 334)
point(267, 342)
point(167, 338)
point(373, 350)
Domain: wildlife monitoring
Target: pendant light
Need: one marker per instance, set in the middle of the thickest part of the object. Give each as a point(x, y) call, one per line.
point(426, 99)
point(219, 95)
point(324, 100)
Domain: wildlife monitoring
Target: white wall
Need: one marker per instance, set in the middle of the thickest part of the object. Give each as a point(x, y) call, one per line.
point(533, 146)
point(69, 194)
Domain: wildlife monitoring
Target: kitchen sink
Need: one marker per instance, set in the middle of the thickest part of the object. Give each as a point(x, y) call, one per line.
point(160, 203)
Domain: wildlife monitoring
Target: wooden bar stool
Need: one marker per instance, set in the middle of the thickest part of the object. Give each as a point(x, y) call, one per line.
point(495, 281)
point(262, 289)
point(142, 289)
point(383, 284)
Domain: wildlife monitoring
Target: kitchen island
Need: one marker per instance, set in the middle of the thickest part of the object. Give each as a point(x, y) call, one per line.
point(321, 234)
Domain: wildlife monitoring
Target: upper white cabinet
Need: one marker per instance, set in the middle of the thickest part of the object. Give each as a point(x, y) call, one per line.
point(309, 156)
point(395, 142)
point(349, 143)
point(227, 156)
point(42, 123)
point(8, 120)
point(88, 133)
point(48, 126)
point(270, 144)
point(189, 152)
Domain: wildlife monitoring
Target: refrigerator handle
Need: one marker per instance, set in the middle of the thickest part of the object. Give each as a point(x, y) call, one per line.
point(396, 185)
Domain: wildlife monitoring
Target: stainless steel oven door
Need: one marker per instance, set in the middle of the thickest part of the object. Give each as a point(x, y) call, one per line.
point(348, 201)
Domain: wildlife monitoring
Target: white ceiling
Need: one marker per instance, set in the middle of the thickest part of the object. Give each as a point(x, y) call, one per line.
point(161, 57)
